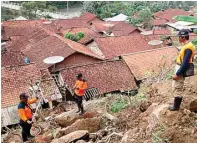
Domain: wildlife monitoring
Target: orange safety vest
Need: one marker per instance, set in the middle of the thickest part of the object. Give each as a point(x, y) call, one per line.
point(24, 110)
point(82, 86)
point(181, 55)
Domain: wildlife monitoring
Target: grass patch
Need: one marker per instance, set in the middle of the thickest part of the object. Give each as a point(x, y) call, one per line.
point(156, 135)
point(117, 106)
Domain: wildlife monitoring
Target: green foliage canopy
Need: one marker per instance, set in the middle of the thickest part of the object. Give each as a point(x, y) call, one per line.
point(74, 37)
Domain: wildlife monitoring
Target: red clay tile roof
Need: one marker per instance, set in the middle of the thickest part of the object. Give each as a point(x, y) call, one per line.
point(54, 45)
point(89, 34)
point(158, 22)
point(14, 81)
point(46, 47)
point(107, 76)
point(18, 30)
point(122, 29)
point(162, 32)
point(78, 47)
point(70, 23)
point(87, 16)
point(115, 46)
point(170, 13)
point(143, 63)
point(31, 38)
point(11, 58)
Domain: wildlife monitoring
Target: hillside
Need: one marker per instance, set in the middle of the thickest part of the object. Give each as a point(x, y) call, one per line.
point(144, 119)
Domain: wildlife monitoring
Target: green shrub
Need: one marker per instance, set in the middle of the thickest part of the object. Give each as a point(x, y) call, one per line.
point(117, 106)
point(74, 37)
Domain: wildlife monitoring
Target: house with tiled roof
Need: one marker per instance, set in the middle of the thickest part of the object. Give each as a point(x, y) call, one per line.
point(105, 76)
point(170, 13)
point(144, 65)
point(89, 17)
point(11, 58)
point(123, 29)
point(54, 45)
point(16, 80)
point(112, 47)
point(116, 28)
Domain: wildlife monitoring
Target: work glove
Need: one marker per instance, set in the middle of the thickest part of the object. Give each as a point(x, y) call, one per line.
point(29, 122)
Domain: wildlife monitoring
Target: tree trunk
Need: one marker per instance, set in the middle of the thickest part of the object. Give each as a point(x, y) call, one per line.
point(67, 7)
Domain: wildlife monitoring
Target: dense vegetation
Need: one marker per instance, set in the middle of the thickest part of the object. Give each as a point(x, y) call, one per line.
point(143, 9)
point(7, 14)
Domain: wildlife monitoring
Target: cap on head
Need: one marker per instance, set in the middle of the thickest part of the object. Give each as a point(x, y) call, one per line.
point(183, 33)
point(79, 75)
point(23, 96)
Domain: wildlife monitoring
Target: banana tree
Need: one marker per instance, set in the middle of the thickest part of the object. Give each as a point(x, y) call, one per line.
point(186, 19)
point(192, 19)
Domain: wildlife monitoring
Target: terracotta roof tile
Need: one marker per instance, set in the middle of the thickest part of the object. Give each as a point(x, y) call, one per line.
point(162, 32)
point(107, 76)
point(159, 22)
point(46, 47)
point(35, 36)
point(87, 16)
point(11, 58)
point(143, 63)
point(54, 45)
point(115, 46)
point(15, 80)
point(170, 13)
point(70, 23)
point(122, 29)
point(11, 31)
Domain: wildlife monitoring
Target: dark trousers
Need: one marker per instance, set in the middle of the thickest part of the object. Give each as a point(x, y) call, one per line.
point(78, 100)
point(25, 130)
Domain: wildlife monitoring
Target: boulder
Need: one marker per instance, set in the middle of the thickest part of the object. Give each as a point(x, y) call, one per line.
point(193, 106)
point(59, 132)
point(73, 137)
point(45, 138)
point(67, 118)
point(90, 124)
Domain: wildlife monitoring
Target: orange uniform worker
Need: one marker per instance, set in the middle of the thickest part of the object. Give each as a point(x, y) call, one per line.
point(79, 89)
point(25, 114)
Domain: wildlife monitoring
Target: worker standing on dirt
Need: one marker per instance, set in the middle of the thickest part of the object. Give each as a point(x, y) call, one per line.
point(79, 91)
point(25, 114)
point(183, 68)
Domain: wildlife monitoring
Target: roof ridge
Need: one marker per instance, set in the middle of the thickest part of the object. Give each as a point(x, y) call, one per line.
point(17, 66)
point(65, 41)
point(89, 64)
point(148, 50)
point(120, 36)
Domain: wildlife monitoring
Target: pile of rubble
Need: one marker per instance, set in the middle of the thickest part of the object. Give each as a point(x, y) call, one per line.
point(143, 121)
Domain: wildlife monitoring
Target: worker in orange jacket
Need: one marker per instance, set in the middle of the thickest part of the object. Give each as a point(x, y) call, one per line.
point(25, 114)
point(79, 91)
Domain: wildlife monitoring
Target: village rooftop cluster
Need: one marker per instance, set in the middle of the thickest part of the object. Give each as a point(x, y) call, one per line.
point(113, 55)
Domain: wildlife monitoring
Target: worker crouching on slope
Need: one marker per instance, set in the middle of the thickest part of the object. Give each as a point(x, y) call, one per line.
point(79, 91)
point(25, 114)
point(184, 68)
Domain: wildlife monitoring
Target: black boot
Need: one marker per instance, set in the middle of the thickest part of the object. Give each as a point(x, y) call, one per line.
point(177, 103)
point(82, 111)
